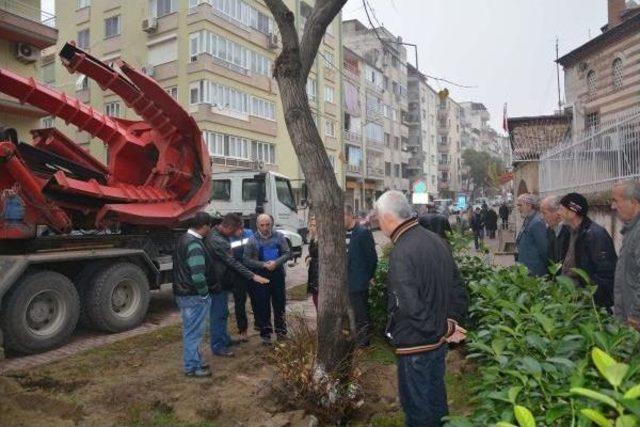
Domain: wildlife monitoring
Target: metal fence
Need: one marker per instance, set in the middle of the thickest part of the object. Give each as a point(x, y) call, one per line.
point(594, 160)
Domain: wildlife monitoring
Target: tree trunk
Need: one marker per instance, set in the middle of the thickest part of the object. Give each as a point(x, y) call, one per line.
point(334, 335)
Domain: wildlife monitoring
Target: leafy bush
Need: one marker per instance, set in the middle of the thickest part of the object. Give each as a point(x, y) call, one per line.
point(378, 296)
point(530, 339)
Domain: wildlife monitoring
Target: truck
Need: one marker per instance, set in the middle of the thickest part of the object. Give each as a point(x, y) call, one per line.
point(81, 241)
point(247, 192)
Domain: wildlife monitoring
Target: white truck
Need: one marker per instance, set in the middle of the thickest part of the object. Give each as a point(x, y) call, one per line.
point(246, 192)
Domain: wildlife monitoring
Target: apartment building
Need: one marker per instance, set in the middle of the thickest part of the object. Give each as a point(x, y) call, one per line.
point(364, 146)
point(25, 30)
point(600, 77)
point(215, 57)
point(449, 129)
point(421, 120)
point(386, 98)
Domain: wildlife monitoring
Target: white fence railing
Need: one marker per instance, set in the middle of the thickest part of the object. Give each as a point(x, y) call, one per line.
point(593, 161)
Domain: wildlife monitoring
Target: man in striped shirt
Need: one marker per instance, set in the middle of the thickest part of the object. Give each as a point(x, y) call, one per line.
point(191, 292)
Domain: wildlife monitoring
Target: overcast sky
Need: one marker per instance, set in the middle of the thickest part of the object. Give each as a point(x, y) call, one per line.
point(505, 48)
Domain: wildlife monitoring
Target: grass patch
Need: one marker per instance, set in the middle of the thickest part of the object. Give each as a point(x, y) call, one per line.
point(459, 386)
point(393, 419)
point(380, 352)
point(297, 293)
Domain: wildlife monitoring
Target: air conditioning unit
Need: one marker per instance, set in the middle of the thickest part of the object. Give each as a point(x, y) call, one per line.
point(27, 53)
point(150, 25)
point(273, 41)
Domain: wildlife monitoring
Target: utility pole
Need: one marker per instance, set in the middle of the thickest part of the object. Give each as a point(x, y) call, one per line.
point(558, 77)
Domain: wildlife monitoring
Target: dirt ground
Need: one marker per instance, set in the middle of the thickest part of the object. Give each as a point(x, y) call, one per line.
point(139, 382)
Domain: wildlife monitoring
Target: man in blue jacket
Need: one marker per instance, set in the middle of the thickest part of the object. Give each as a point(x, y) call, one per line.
point(532, 244)
point(361, 267)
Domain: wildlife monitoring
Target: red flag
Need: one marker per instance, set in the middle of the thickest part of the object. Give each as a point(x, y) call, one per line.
point(505, 125)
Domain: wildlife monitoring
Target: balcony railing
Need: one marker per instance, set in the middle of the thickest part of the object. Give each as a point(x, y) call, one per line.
point(29, 12)
point(351, 136)
point(375, 143)
point(355, 169)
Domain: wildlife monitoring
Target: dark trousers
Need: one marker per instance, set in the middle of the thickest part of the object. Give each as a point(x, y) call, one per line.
point(240, 289)
point(265, 297)
point(360, 305)
point(422, 390)
point(505, 223)
point(478, 237)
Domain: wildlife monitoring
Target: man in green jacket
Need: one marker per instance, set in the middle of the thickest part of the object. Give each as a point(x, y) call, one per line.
point(626, 292)
point(191, 292)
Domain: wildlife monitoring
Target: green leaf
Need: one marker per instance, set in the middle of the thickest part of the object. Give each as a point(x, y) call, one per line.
point(596, 417)
point(566, 282)
point(616, 373)
point(505, 424)
point(626, 421)
point(524, 416)
point(632, 405)
point(498, 345)
point(545, 322)
point(594, 395)
point(531, 365)
point(633, 392)
point(513, 393)
point(602, 360)
point(583, 275)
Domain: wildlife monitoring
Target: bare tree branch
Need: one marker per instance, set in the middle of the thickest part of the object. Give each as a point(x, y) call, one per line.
point(321, 16)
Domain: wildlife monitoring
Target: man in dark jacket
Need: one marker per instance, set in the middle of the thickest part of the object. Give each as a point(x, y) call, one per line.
point(491, 222)
point(241, 285)
point(477, 226)
point(361, 267)
point(426, 301)
point(266, 253)
point(590, 249)
point(435, 222)
point(504, 215)
point(558, 233)
point(224, 272)
point(190, 265)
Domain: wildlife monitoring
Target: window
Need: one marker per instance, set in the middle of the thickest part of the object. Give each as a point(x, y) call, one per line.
point(173, 91)
point(263, 152)
point(227, 100)
point(82, 40)
point(374, 76)
point(616, 71)
point(311, 89)
point(238, 148)
point(329, 58)
point(112, 109)
point(396, 171)
point(82, 83)
point(284, 193)
point(396, 143)
point(330, 128)
point(82, 3)
point(215, 143)
point(387, 140)
point(329, 94)
point(112, 26)
point(250, 190)
point(387, 169)
point(48, 122)
point(164, 7)
point(374, 105)
point(263, 108)
point(194, 94)
point(591, 82)
point(591, 122)
point(221, 189)
point(375, 132)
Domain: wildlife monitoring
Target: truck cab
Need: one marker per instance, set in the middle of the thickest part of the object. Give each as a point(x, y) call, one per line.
point(240, 192)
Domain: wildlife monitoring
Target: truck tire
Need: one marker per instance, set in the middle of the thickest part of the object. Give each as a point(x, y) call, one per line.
point(83, 281)
point(118, 297)
point(40, 312)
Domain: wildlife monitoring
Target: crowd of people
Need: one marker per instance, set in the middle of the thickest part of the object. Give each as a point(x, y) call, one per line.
point(483, 221)
point(558, 231)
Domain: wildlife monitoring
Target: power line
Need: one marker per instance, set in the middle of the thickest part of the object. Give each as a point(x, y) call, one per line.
point(385, 45)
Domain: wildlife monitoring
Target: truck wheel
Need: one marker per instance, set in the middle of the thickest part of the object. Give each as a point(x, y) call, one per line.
point(83, 281)
point(40, 312)
point(118, 298)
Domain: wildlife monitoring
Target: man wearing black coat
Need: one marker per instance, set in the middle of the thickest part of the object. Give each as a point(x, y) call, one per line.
point(491, 222)
point(503, 212)
point(558, 232)
point(590, 249)
point(435, 222)
point(361, 267)
point(426, 301)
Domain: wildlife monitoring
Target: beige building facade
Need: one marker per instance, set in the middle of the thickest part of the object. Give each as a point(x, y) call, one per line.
point(215, 57)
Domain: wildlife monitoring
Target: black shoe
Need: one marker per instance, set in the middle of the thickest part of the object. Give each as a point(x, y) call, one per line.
point(199, 373)
point(224, 353)
point(266, 340)
point(205, 367)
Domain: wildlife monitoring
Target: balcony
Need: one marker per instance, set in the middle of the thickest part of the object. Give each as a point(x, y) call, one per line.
point(352, 137)
point(208, 113)
point(23, 23)
point(376, 144)
point(353, 169)
point(410, 119)
point(375, 172)
point(443, 111)
point(206, 62)
point(352, 74)
point(415, 164)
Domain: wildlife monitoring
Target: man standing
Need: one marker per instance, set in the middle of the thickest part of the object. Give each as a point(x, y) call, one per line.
point(477, 226)
point(531, 243)
point(191, 292)
point(491, 222)
point(361, 267)
point(557, 233)
point(435, 222)
point(267, 252)
point(426, 301)
point(241, 285)
point(626, 202)
point(504, 215)
point(225, 271)
point(590, 249)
